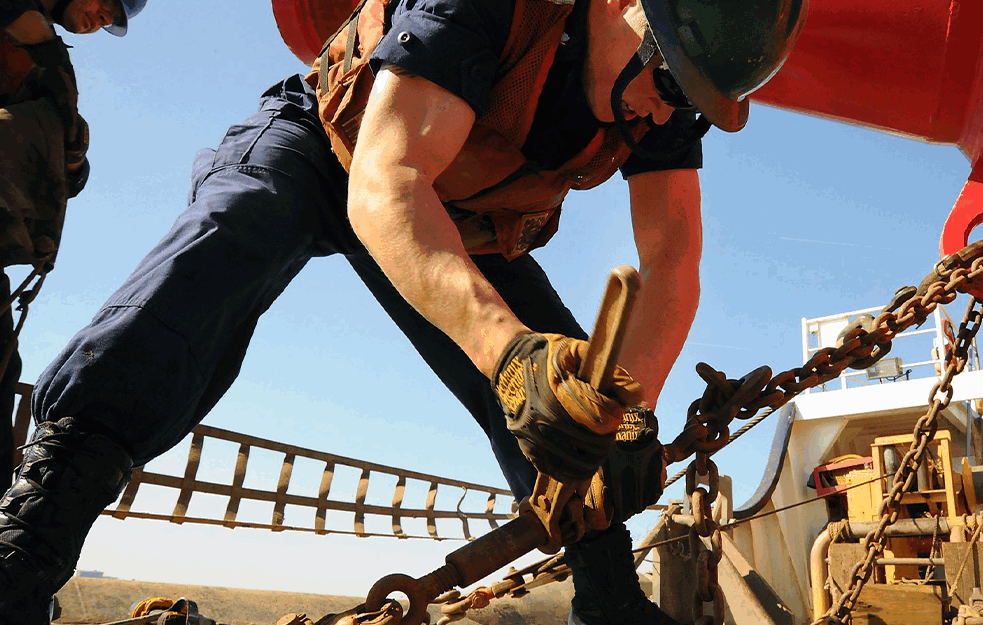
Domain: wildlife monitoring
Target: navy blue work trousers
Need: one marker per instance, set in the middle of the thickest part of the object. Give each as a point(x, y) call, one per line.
point(168, 344)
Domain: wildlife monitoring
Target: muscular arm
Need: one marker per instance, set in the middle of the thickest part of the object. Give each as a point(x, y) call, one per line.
point(665, 207)
point(411, 131)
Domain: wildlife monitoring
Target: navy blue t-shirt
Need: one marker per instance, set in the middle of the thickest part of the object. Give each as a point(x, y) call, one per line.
point(457, 44)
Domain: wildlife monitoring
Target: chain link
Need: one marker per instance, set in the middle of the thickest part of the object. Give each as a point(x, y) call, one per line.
point(925, 428)
point(707, 430)
point(708, 418)
point(516, 584)
point(708, 588)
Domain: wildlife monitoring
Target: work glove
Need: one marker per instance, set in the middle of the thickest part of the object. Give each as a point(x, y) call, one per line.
point(633, 476)
point(54, 77)
point(565, 427)
point(76, 149)
point(78, 178)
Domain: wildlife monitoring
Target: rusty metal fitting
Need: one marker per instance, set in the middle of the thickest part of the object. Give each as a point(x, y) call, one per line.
point(295, 618)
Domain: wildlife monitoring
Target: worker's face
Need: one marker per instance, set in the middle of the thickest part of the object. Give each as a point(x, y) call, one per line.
point(641, 98)
point(605, 63)
point(88, 16)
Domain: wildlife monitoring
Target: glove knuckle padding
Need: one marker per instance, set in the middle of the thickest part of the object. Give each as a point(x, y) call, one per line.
point(557, 446)
point(632, 475)
point(563, 425)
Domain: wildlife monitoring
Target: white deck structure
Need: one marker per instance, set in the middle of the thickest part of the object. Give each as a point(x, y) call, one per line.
point(840, 418)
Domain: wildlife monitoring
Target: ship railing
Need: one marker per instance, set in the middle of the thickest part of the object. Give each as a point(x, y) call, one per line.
point(916, 353)
point(223, 478)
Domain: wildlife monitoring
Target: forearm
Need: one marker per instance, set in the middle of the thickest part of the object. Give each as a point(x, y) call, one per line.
point(669, 237)
point(661, 322)
point(397, 215)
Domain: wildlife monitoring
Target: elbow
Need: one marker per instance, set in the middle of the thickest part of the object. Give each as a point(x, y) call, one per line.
point(676, 257)
point(383, 202)
point(370, 202)
point(359, 221)
point(358, 201)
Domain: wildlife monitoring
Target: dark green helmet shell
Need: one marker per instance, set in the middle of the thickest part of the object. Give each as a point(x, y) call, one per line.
point(719, 51)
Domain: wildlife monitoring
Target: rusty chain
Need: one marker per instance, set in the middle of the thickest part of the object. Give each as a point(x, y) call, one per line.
point(707, 586)
point(708, 418)
point(733, 437)
point(516, 584)
point(925, 428)
point(708, 421)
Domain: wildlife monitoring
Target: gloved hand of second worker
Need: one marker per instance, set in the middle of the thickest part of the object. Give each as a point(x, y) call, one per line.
point(633, 475)
point(78, 147)
point(565, 427)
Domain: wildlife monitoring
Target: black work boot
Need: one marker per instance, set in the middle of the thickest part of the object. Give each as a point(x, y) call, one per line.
point(66, 479)
point(605, 583)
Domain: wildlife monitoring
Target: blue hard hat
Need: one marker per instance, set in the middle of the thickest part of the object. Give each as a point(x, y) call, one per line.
point(130, 8)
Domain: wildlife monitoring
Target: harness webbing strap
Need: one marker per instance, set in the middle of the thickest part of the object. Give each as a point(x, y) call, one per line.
point(322, 78)
point(350, 44)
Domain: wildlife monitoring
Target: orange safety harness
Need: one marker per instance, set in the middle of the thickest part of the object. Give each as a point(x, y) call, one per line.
point(499, 200)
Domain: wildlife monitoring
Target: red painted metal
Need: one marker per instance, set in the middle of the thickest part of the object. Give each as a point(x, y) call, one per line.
point(824, 476)
point(965, 215)
point(905, 66)
point(911, 67)
point(305, 24)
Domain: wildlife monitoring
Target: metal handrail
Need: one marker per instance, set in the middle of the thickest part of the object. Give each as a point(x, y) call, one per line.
point(186, 484)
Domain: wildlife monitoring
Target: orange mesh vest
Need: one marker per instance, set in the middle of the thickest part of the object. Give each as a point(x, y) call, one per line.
point(501, 204)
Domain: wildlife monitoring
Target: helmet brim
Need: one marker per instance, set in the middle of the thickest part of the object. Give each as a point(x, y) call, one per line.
point(118, 27)
point(722, 111)
point(130, 9)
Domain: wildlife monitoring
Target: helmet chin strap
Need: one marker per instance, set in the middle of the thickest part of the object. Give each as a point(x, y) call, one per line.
point(646, 50)
point(58, 11)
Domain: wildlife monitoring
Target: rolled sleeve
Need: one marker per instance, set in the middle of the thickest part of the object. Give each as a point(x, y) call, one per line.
point(674, 145)
point(453, 45)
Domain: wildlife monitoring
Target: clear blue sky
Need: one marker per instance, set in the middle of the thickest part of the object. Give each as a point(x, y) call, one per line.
point(803, 217)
